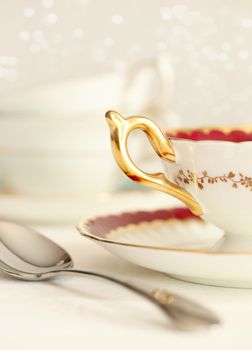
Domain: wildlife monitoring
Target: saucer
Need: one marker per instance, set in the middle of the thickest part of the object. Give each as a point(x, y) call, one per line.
point(68, 209)
point(173, 241)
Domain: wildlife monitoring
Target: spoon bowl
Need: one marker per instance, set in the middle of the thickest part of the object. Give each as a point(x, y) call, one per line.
point(28, 254)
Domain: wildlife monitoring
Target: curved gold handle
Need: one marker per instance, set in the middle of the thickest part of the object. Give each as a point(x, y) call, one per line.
point(120, 128)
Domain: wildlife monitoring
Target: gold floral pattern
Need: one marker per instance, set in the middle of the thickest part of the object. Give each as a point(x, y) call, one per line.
point(234, 179)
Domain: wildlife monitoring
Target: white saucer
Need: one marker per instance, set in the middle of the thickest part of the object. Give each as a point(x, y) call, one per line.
point(71, 209)
point(172, 241)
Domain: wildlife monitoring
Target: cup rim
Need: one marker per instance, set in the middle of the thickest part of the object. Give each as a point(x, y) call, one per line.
point(233, 134)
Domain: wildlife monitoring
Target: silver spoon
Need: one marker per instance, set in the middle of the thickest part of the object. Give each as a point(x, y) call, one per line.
point(27, 255)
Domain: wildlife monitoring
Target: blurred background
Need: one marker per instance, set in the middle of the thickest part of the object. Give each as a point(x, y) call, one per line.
point(64, 63)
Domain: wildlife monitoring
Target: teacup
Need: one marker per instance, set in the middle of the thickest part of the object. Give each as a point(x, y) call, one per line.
point(208, 169)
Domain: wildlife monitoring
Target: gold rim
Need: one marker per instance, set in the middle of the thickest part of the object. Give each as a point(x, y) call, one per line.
point(83, 228)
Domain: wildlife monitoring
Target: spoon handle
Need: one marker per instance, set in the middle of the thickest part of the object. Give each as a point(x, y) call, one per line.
point(187, 314)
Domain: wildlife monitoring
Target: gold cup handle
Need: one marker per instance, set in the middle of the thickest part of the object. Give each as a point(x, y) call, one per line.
point(120, 128)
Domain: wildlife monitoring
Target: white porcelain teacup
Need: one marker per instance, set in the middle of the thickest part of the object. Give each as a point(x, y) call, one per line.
point(209, 169)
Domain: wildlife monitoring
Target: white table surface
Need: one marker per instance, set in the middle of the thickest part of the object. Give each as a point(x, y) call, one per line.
point(84, 313)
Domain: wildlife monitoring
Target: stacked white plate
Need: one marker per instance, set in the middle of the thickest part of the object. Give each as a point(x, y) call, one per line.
point(55, 144)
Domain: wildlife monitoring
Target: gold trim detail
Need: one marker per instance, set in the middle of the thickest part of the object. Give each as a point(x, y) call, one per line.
point(120, 128)
point(188, 177)
point(83, 228)
point(163, 296)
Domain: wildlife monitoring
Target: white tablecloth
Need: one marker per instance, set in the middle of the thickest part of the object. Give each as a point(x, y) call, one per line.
point(84, 313)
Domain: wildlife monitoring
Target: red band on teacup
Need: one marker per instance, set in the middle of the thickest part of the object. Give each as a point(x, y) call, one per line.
point(213, 134)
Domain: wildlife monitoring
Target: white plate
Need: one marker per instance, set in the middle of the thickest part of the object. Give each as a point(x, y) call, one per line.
point(70, 209)
point(172, 241)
